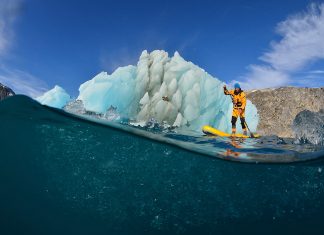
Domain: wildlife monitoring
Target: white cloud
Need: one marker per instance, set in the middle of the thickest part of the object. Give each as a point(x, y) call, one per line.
point(22, 82)
point(261, 76)
point(302, 40)
point(9, 10)
point(302, 43)
point(316, 72)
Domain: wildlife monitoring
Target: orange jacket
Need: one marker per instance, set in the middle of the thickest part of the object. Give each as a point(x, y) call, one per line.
point(238, 99)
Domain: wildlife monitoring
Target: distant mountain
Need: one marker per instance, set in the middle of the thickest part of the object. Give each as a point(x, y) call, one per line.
point(5, 92)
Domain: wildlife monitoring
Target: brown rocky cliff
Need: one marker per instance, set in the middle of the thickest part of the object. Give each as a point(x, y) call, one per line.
point(277, 108)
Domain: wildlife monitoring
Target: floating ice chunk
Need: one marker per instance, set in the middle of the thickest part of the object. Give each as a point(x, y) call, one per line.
point(112, 114)
point(56, 97)
point(75, 106)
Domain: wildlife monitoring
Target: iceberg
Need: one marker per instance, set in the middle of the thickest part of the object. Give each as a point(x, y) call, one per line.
point(169, 90)
point(56, 97)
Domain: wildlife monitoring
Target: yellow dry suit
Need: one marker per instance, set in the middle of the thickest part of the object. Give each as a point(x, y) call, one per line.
point(239, 104)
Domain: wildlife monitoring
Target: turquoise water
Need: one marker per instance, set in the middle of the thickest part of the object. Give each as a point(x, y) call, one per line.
point(64, 175)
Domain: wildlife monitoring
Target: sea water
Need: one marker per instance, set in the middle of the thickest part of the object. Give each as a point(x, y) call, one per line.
point(64, 174)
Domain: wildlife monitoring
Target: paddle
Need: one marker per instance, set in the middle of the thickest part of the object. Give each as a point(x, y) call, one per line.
point(249, 129)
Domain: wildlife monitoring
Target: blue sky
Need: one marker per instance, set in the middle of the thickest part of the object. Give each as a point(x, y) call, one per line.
point(259, 43)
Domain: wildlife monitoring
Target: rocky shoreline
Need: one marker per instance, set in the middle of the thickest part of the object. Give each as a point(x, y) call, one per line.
point(278, 108)
point(5, 92)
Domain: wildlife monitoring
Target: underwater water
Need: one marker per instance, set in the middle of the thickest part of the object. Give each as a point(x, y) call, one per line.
point(61, 174)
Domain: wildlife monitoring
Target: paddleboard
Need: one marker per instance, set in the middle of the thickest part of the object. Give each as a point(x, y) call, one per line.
point(212, 131)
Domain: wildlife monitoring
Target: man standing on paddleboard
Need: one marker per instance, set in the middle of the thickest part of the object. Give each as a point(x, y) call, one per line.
point(239, 104)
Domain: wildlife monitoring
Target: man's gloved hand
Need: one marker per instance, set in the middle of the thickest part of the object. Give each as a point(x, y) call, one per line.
point(240, 111)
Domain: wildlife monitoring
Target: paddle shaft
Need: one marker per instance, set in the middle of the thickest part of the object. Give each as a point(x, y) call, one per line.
point(249, 129)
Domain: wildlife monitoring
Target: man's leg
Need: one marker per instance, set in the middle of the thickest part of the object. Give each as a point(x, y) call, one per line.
point(233, 125)
point(243, 124)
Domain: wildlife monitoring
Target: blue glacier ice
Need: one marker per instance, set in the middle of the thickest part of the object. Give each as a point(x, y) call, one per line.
point(56, 97)
point(194, 98)
point(105, 90)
